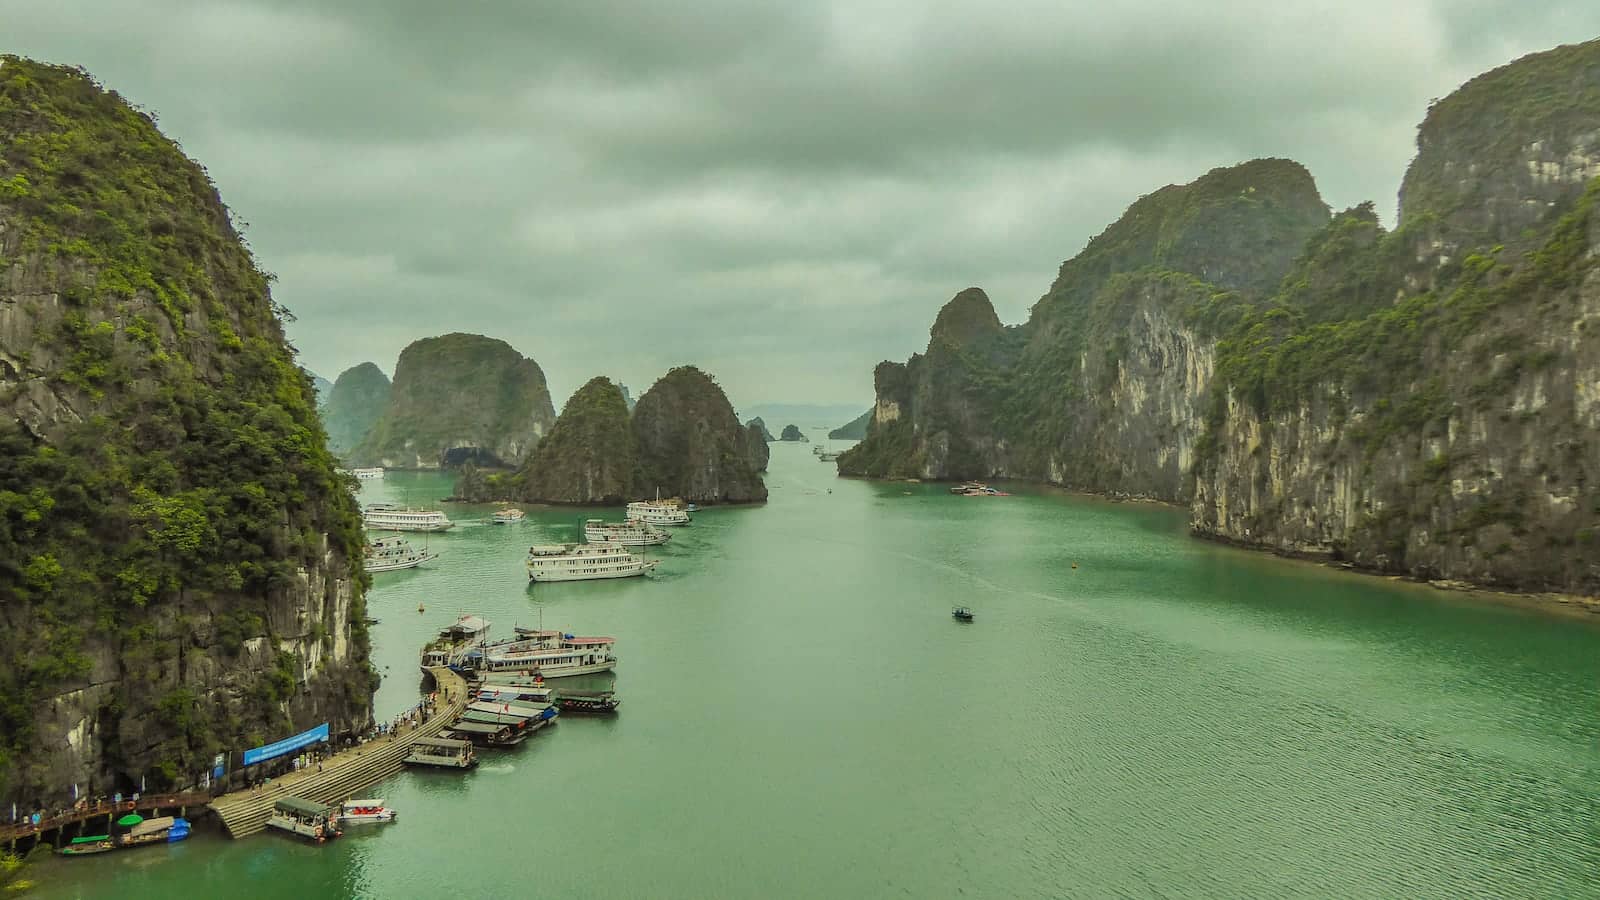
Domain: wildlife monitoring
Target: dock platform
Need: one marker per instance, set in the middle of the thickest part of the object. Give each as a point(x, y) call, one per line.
point(346, 773)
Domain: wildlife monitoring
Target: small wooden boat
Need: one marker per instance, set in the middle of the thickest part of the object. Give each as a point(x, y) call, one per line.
point(85, 846)
point(962, 614)
point(159, 830)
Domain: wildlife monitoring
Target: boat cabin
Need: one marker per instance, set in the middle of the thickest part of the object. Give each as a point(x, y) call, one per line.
point(306, 818)
point(442, 752)
point(489, 735)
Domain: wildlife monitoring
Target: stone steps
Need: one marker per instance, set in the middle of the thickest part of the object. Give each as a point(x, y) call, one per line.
point(345, 775)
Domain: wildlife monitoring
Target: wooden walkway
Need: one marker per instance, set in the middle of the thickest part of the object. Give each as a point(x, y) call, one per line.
point(10, 834)
point(345, 774)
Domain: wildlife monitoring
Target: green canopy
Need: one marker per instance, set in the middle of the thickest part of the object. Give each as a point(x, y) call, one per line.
point(130, 820)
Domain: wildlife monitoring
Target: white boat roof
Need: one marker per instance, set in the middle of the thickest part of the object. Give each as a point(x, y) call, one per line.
point(472, 624)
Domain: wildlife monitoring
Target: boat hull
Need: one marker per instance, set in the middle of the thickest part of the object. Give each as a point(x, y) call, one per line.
point(548, 673)
point(405, 564)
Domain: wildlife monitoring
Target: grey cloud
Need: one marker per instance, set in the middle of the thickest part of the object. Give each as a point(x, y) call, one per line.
point(781, 193)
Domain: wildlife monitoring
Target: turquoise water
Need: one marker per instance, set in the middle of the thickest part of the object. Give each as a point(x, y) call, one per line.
point(801, 717)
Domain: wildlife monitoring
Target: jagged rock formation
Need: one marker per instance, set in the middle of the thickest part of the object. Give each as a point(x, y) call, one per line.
point(1419, 401)
point(627, 398)
point(178, 556)
point(456, 398)
point(358, 399)
point(590, 455)
point(690, 443)
point(793, 433)
point(756, 439)
point(761, 426)
point(855, 430)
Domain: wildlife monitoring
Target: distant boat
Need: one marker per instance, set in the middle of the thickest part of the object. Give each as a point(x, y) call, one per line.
point(984, 492)
point(509, 516)
point(631, 533)
point(962, 613)
point(659, 512)
point(369, 473)
point(388, 517)
point(969, 486)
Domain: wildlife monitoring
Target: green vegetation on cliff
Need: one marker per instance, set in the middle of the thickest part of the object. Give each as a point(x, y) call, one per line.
point(459, 397)
point(854, 430)
point(691, 444)
point(165, 484)
point(356, 402)
point(985, 400)
point(590, 455)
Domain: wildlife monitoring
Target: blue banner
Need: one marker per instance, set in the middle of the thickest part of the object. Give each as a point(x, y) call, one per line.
point(287, 745)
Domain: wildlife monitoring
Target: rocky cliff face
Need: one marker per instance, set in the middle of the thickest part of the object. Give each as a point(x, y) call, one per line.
point(794, 434)
point(761, 427)
point(756, 439)
point(1049, 400)
point(691, 444)
point(1418, 401)
point(355, 403)
point(178, 557)
point(456, 398)
point(590, 455)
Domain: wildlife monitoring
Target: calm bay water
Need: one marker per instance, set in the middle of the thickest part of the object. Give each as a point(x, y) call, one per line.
point(801, 717)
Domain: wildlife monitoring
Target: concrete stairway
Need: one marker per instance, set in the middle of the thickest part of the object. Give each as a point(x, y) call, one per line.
point(347, 773)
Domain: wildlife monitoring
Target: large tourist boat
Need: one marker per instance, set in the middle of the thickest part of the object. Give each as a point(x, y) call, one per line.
point(583, 562)
point(365, 812)
point(541, 654)
point(629, 533)
point(390, 554)
point(388, 517)
point(304, 818)
point(659, 512)
point(509, 516)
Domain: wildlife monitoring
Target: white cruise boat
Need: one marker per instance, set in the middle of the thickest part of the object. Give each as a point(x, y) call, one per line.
point(659, 512)
point(509, 516)
point(388, 517)
point(543, 654)
point(583, 562)
point(368, 474)
point(631, 533)
point(390, 554)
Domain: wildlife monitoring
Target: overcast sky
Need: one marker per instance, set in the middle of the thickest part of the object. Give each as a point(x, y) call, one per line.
point(783, 193)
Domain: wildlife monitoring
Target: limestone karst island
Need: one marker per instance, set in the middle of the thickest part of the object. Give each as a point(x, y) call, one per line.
point(828, 453)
